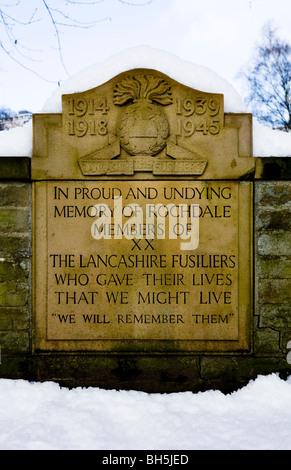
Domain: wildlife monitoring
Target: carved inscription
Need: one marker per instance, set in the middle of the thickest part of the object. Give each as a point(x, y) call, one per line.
point(141, 262)
point(142, 116)
point(151, 280)
point(87, 117)
point(199, 115)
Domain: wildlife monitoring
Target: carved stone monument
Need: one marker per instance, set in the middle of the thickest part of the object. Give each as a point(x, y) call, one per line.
point(142, 221)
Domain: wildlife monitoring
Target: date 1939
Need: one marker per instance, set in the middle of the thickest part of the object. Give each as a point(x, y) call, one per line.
point(199, 115)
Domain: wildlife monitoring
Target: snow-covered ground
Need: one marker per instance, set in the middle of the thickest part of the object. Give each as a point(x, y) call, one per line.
point(44, 416)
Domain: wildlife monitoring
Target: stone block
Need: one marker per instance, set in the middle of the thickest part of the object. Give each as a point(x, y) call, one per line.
point(14, 342)
point(151, 374)
point(273, 168)
point(273, 267)
point(274, 291)
point(273, 219)
point(18, 366)
point(14, 220)
point(285, 342)
point(275, 193)
point(15, 194)
point(15, 246)
point(275, 316)
point(14, 168)
point(274, 243)
point(14, 318)
point(267, 342)
point(13, 295)
point(6, 322)
point(14, 271)
point(221, 370)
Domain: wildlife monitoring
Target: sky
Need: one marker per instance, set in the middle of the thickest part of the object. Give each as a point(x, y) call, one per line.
point(219, 34)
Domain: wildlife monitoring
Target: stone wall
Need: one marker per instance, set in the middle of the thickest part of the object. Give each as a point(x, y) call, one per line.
point(15, 265)
point(273, 267)
point(272, 285)
point(160, 373)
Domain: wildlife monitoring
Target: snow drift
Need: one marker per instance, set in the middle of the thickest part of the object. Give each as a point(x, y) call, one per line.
point(267, 142)
point(35, 416)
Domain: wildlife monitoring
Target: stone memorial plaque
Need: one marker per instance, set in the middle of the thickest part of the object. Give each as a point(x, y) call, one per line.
point(145, 267)
point(142, 221)
point(142, 125)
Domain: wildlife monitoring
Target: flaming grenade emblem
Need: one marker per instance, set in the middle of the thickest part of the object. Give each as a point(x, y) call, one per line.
point(142, 131)
point(143, 127)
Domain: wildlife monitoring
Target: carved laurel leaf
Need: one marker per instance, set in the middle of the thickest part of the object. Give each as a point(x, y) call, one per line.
point(143, 87)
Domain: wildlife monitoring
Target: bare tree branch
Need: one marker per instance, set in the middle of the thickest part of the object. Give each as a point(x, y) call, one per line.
point(24, 66)
point(59, 14)
point(57, 34)
point(269, 80)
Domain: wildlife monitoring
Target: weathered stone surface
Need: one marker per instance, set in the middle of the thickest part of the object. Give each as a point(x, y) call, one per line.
point(15, 168)
point(273, 169)
point(273, 219)
point(16, 270)
point(274, 291)
point(6, 322)
point(114, 292)
point(15, 318)
point(143, 125)
point(18, 366)
point(267, 342)
point(14, 219)
point(273, 267)
point(285, 342)
point(13, 295)
point(15, 194)
point(151, 374)
point(276, 316)
point(273, 194)
point(274, 243)
point(15, 246)
point(229, 368)
point(15, 262)
point(15, 341)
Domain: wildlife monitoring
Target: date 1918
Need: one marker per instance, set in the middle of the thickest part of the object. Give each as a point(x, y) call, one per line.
point(80, 128)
